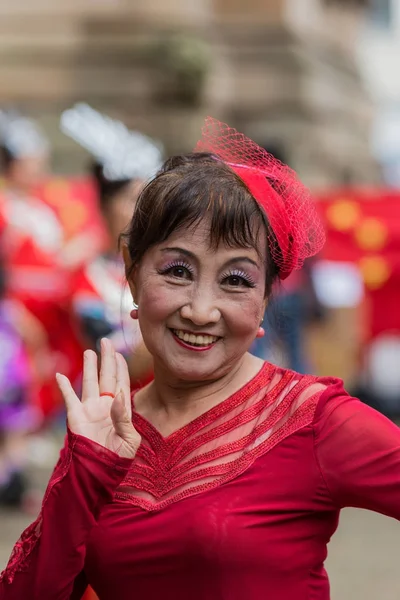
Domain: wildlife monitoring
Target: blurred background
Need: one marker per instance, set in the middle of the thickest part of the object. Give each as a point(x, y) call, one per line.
point(315, 82)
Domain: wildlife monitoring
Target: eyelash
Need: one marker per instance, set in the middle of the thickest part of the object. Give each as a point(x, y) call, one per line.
point(173, 265)
point(245, 278)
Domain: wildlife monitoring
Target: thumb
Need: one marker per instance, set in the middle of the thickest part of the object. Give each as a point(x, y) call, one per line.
point(122, 423)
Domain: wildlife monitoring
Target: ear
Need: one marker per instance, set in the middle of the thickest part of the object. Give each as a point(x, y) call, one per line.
point(129, 272)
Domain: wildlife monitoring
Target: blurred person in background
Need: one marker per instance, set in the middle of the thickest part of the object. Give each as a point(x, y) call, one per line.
point(123, 161)
point(39, 271)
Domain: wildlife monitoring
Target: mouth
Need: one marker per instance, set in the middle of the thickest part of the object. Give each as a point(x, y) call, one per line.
point(194, 341)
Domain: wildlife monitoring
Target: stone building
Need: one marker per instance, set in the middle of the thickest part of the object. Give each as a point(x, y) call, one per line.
point(283, 71)
point(379, 52)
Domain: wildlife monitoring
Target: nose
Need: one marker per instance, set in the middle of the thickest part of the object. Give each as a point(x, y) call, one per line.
point(201, 309)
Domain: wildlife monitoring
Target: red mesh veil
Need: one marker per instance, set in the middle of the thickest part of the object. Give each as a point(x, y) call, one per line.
point(297, 229)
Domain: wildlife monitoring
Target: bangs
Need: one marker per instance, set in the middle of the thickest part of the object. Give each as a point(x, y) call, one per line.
point(182, 198)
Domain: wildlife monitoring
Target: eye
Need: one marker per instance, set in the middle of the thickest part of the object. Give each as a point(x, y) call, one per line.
point(238, 279)
point(177, 270)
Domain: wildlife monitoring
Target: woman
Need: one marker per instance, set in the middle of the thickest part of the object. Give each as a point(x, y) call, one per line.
point(38, 261)
point(225, 476)
point(97, 288)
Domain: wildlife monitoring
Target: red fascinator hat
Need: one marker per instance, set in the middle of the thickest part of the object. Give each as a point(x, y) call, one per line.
point(297, 229)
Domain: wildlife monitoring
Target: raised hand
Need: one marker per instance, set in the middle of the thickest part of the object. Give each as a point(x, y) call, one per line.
point(104, 413)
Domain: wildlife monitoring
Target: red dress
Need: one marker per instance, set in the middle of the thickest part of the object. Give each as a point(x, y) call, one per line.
point(240, 503)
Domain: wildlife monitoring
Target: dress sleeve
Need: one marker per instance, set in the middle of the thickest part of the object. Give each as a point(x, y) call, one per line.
point(358, 451)
point(47, 561)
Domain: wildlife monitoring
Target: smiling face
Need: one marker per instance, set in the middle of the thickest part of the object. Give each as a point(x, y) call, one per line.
point(200, 307)
point(199, 266)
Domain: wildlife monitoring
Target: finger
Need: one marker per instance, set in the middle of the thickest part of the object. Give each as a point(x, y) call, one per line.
point(123, 381)
point(108, 368)
point(70, 398)
point(90, 381)
point(122, 423)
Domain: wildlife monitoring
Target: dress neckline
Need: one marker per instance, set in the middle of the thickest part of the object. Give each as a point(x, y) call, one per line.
point(147, 429)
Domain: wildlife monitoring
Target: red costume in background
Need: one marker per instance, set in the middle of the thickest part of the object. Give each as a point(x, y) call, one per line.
point(239, 503)
point(32, 240)
point(34, 234)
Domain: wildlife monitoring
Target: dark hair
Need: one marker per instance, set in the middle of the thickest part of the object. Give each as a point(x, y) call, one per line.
point(188, 189)
point(107, 189)
point(6, 159)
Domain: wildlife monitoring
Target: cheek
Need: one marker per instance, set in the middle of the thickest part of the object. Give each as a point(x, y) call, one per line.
point(244, 317)
point(160, 301)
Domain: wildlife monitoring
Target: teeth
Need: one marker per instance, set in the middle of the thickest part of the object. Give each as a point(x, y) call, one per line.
point(195, 340)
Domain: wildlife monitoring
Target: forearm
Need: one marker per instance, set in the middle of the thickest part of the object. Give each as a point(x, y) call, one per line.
point(50, 554)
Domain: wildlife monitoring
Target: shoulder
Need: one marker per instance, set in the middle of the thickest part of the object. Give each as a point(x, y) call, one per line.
point(308, 386)
point(333, 395)
point(294, 394)
point(337, 409)
point(322, 395)
point(328, 394)
point(332, 413)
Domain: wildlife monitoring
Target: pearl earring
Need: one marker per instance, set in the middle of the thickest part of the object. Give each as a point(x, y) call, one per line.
point(134, 311)
point(261, 331)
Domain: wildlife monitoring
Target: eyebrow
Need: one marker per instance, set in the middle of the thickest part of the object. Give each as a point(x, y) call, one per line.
point(228, 262)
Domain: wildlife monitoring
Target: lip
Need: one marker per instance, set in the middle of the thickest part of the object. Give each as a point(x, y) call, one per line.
point(188, 346)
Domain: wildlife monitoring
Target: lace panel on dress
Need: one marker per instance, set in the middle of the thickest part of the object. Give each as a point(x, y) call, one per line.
point(222, 443)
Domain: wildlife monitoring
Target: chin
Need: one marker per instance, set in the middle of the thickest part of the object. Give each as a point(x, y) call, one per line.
point(192, 370)
point(192, 373)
